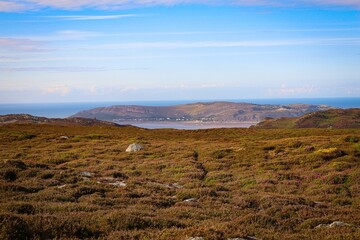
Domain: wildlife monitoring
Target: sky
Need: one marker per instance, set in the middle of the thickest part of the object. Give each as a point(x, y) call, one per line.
point(123, 50)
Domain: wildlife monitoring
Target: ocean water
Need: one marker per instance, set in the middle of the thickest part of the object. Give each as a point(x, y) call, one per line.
point(62, 110)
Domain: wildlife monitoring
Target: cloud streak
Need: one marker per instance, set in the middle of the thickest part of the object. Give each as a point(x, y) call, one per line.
point(22, 5)
point(229, 44)
point(24, 45)
point(91, 17)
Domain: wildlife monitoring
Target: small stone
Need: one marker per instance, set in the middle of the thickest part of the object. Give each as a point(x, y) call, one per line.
point(118, 184)
point(62, 186)
point(134, 147)
point(190, 200)
point(64, 137)
point(87, 174)
point(195, 238)
point(338, 224)
point(322, 225)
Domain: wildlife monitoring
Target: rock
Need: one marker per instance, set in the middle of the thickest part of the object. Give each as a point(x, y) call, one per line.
point(195, 238)
point(245, 238)
point(87, 174)
point(338, 224)
point(62, 186)
point(64, 137)
point(118, 184)
point(134, 147)
point(190, 200)
point(333, 224)
point(172, 185)
point(322, 225)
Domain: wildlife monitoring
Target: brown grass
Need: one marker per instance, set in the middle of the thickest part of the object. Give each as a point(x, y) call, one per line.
point(246, 182)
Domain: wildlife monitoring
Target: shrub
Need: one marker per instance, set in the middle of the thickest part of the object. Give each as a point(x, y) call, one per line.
point(352, 139)
point(13, 227)
point(25, 136)
point(23, 208)
point(15, 164)
point(120, 175)
point(9, 175)
point(295, 144)
point(195, 155)
point(219, 154)
point(330, 153)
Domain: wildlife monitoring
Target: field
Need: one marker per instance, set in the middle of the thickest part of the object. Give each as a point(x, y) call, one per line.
point(77, 182)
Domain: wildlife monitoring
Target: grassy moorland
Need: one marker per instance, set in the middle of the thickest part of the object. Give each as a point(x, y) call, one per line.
point(215, 184)
point(333, 118)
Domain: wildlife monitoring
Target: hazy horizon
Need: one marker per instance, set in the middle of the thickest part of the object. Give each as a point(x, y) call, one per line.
point(108, 51)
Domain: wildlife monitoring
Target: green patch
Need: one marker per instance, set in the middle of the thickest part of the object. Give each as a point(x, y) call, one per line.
point(219, 154)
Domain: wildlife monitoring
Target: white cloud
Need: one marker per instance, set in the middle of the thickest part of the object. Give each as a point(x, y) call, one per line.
point(20, 5)
point(91, 17)
point(21, 44)
point(228, 44)
point(285, 91)
point(57, 89)
point(10, 6)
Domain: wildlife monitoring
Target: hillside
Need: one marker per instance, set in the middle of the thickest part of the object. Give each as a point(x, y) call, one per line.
point(210, 184)
point(334, 118)
point(206, 112)
point(26, 118)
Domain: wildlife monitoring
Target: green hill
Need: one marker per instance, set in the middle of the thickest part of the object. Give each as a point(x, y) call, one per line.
point(334, 118)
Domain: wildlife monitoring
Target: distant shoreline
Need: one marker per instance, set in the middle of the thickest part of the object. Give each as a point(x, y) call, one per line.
point(63, 110)
point(185, 125)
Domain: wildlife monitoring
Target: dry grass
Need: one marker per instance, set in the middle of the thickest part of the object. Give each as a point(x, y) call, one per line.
point(271, 184)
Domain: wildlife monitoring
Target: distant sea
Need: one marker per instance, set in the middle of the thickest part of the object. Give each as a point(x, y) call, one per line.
point(62, 110)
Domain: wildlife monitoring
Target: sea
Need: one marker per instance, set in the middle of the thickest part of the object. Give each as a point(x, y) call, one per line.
point(63, 110)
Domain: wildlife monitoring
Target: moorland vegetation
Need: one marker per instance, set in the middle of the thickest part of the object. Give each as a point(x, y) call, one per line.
point(77, 182)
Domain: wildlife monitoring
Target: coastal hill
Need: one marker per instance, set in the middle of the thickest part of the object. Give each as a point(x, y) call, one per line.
point(205, 112)
point(334, 118)
point(29, 119)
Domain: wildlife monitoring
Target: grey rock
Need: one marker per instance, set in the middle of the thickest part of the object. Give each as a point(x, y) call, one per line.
point(118, 184)
point(87, 174)
point(195, 238)
point(333, 224)
point(245, 238)
point(190, 200)
point(338, 224)
point(134, 147)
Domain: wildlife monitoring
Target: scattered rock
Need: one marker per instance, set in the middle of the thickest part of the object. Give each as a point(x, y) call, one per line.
point(87, 174)
point(64, 137)
point(172, 185)
point(112, 181)
point(118, 184)
point(190, 200)
point(322, 225)
point(245, 238)
point(338, 224)
point(62, 186)
point(333, 224)
point(195, 238)
point(134, 147)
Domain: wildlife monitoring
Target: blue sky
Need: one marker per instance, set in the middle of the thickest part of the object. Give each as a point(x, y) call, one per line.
point(118, 50)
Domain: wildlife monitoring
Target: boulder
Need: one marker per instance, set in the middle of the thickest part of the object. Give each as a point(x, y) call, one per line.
point(134, 147)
